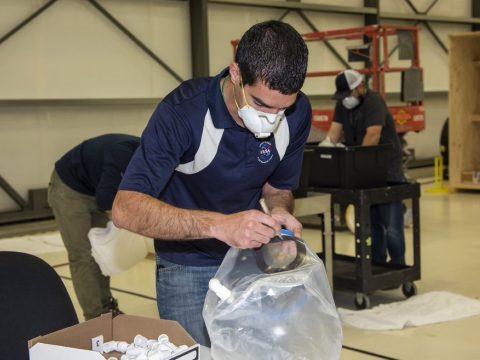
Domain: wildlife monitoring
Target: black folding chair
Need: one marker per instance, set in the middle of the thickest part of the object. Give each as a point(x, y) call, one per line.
point(33, 302)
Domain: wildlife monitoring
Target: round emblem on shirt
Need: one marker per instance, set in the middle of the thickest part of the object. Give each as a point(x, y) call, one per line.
point(265, 152)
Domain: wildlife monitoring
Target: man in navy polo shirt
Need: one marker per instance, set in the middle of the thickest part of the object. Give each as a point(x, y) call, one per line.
point(211, 150)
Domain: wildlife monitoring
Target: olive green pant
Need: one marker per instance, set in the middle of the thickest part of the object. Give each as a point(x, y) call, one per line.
point(76, 214)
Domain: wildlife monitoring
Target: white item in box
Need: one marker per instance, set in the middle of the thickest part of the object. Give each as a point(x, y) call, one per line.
point(75, 342)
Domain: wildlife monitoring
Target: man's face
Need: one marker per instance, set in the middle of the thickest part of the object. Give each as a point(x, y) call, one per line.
point(359, 91)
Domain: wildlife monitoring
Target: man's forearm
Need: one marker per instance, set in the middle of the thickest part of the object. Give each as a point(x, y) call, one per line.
point(151, 217)
point(335, 132)
point(372, 136)
point(371, 139)
point(280, 199)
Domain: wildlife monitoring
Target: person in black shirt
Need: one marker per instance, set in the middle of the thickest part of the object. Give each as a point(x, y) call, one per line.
point(80, 193)
point(362, 118)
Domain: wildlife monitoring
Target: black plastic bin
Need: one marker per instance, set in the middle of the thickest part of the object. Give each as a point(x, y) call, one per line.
point(351, 167)
point(302, 190)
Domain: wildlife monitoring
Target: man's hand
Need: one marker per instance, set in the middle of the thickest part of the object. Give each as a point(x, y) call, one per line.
point(327, 142)
point(247, 229)
point(287, 220)
point(280, 204)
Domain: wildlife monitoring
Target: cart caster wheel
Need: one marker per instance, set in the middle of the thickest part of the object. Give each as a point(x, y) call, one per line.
point(409, 289)
point(362, 301)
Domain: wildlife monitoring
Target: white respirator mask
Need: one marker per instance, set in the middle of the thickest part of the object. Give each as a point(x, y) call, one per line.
point(260, 123)
point(350, 102)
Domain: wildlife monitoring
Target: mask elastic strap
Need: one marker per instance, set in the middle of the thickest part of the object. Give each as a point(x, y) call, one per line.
point(243, 92)
point(234, 97)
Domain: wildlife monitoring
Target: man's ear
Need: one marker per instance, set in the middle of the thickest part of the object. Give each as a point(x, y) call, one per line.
point(235, 76)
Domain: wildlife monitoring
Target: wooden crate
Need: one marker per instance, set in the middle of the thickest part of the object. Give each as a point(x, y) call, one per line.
point(464, 107)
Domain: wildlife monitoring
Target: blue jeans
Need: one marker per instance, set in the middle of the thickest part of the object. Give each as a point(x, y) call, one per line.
point(387, 233)
point(181, 292)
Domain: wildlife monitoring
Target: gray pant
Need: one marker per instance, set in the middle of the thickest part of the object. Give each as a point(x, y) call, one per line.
point(75, 214)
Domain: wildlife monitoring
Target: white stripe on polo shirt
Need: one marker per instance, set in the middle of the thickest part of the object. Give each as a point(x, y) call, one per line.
point(207, 149)
point(210, 141)
point(282, 137)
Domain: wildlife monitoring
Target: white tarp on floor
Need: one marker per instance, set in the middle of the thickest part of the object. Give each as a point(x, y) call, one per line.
point(34, 244)
point(429, 308)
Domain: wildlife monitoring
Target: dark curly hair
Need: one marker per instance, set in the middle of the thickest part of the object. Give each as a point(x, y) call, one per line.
point(274, 53)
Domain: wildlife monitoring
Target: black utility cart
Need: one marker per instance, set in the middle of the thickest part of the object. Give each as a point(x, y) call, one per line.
point(357, 175)
point(358, 273)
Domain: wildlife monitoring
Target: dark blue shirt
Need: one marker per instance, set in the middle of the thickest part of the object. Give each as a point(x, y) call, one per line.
point(96, 166)
point(194, 156)
point(370, 112)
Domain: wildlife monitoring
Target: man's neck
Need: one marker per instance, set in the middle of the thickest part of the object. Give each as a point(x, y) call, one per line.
point(228, 94)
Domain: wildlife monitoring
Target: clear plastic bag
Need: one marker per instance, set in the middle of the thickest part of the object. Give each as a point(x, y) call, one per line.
point(272, 303)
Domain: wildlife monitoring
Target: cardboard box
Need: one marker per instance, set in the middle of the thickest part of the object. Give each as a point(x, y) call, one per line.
point(76, 342)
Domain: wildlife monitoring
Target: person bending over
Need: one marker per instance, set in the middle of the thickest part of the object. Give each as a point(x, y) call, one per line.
point(213, 147)
point(80, 193)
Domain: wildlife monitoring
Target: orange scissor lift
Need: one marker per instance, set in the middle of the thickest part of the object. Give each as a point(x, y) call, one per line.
point(375, 54)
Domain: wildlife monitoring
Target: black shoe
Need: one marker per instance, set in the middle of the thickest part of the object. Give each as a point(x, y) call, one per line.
point(113, 307)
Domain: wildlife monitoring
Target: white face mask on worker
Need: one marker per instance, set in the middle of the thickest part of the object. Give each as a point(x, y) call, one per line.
point(350, 102)
point(260, 123)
